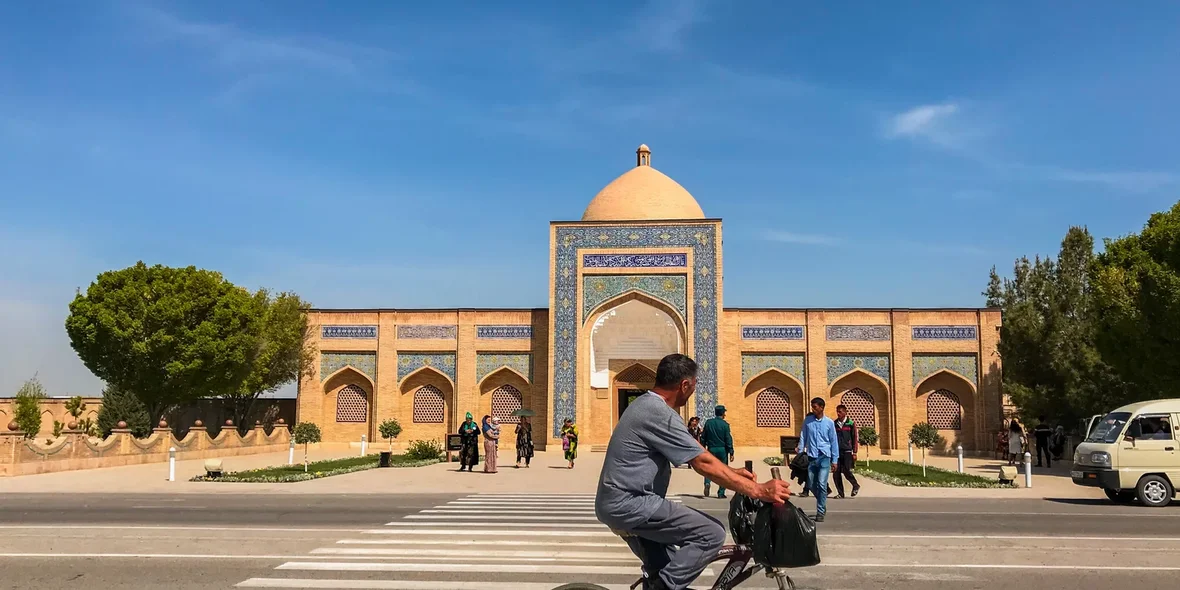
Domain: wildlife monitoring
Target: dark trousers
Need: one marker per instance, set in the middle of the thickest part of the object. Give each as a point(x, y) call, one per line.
point(1043, 448)
point(676, 543)
point(844, 468)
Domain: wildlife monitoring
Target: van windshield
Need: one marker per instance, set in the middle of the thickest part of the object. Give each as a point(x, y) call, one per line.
point(1109, 428)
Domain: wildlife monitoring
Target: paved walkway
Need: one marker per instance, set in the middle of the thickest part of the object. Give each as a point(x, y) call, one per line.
point(548, 474)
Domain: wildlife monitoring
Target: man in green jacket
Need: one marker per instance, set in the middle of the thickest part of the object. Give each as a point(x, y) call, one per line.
point(718, 441)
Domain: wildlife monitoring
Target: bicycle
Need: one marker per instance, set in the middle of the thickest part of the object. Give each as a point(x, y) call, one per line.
point(732, 575)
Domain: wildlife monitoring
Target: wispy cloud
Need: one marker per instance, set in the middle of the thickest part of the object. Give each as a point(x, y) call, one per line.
point(935, 123)
point(1130, 181)
point(664, 25)
point(796, 238)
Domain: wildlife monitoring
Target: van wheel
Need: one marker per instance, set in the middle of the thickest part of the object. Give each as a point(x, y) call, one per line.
point(1120, 496)
point(1154, 491)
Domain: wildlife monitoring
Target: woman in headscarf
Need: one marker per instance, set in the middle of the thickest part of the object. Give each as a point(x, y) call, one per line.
point(491, 434)
point(1015, 442)
point(524, 441)
point(469, 451)
point(569, 440)
point(1057, 442)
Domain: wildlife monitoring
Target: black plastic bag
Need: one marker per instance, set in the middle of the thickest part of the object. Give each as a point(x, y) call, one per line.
point(742, 513)
point(784, 536)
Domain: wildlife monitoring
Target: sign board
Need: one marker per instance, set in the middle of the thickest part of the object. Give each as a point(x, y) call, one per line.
point(454, 442)
point(787, 444)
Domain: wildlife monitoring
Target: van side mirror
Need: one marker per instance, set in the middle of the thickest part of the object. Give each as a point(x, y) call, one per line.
point(1135, 430)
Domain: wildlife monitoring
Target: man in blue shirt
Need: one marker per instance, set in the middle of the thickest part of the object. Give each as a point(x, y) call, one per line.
point(818, 439)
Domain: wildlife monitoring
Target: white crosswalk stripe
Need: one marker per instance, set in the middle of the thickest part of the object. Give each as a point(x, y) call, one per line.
point(485, 541)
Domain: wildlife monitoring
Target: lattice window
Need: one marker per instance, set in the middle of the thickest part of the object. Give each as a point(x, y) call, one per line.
point(352, 405)
point(429, 406)
point(506, 399)
point(943, 410)
point(637, 375)
point(772, 409)
point(861, 407)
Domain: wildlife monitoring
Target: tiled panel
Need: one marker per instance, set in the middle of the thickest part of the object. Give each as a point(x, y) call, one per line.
point(966, 365)
point(488, 363)
point(504, 332)
point(839, 364)
point(365, 362)
point(944, 333)
point(443, 362)
point(425, 332)
point(791, 364)
point(634, 260)
point(670, 289)
point(349, 332)
point(772, 332)
point(858, 333)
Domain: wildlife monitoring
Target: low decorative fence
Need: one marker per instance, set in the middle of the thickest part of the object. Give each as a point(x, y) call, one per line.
point(76, 450)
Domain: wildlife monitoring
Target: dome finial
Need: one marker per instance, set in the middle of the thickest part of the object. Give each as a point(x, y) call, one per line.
point(643, 155)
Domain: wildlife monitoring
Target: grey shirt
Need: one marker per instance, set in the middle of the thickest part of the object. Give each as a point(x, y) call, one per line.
point(635, 475)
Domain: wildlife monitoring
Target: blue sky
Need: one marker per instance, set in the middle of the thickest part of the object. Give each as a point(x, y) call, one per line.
point(412, 154)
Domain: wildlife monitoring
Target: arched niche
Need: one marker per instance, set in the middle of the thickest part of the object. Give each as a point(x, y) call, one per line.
point(955, 387)
point(861, 383)
point(346, 380)
point(426, 386)
point(770, 381)
point(631, 327)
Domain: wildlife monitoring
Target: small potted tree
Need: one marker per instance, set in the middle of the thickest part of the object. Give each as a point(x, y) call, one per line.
point(867, 437)
point(924, 436)
point(389, 430)
point(305, 434)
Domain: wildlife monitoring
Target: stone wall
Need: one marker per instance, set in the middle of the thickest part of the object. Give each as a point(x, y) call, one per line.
point(53, 408)
point(75, 450)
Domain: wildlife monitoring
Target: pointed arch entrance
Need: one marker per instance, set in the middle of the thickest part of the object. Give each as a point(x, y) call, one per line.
point(867, 399)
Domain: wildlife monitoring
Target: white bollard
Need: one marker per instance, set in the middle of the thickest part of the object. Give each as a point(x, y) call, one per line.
point(172, 464)
point(960, 450)
point(364, 445)
point(291, 453)
point(911, 453)
point(1028, 470)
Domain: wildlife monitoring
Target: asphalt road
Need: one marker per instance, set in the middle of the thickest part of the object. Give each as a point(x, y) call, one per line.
point(373, 541)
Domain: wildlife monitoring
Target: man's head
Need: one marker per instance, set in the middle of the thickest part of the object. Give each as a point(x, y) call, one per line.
point(817, 406)
point(841, 411)
point(676, 379)
point(719, 411)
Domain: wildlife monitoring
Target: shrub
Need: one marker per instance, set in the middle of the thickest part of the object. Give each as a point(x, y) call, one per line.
point(773, 461)
point(120, 404)
point(306, 433)
point(421, 450)
point(867, 437)
point(924, 436)
point(389, 430)
point(28, 407)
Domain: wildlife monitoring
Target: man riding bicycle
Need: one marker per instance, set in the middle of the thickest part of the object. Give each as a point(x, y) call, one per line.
point(649, 437)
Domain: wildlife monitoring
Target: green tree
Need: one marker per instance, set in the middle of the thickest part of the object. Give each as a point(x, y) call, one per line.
point(924, 436)
point(305, 434)
point(1137, 280)
point(867, 437)
point(118, 404)
point(170, 335)
point(389, 430)
point(283, 353)
point(1048, 338)
point(28, 407)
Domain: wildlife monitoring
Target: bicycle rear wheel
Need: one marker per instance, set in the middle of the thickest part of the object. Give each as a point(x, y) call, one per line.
point(580, 586)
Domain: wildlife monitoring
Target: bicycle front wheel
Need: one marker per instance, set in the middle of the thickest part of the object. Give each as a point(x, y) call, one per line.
point(580, 586)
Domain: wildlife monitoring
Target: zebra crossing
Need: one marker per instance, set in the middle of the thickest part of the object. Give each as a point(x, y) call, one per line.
point(484, 541)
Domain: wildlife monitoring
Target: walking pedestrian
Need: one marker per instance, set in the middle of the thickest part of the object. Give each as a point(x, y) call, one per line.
point(1041, 433)
point(1015, 442)
point(1057, 442)
point(849, 445)
point(469, 449)
point(694, 428)
point(491, 436)
point(716, 439)
point(818, 439)
point(569, 441)
point(524, 442)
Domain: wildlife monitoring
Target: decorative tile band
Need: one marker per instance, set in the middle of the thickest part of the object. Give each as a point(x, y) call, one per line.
point(349, 332)
point(966, 365)
point(944, 333)
point(671, 289)
point(443, 362)
point(504, 332)
point(840, 364)
point(859, 333)
point(365, 362)
point(772, 332)
point(486, 364)
point(634, 260)
point(427, 332)
point(570, 240)
point(791, 364)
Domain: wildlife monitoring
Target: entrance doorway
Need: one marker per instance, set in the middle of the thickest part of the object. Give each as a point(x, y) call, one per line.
point(626, 396)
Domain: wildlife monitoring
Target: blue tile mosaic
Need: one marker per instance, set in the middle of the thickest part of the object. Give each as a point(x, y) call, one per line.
point(634, 260)
point(504, 332)
point(488, 363)
point(570, 239)
point(427, 332)
point(754, 364)
point(965, 365)
point(859, 333)
point(671, 289)
point(944, 333)
point(349, 332)
point(839, 364)
point(365, 362)
point(443, 362)
point(772, 332)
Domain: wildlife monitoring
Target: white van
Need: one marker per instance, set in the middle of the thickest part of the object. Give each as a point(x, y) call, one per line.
point(1131, 453)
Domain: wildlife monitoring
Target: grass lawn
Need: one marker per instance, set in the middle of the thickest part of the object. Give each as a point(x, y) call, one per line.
point(900, 473)
point(315, 470)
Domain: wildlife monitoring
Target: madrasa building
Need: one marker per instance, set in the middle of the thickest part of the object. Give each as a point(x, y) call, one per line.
point(640, 276)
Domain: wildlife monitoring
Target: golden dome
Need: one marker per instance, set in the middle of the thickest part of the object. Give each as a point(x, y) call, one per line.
point(643, 193)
